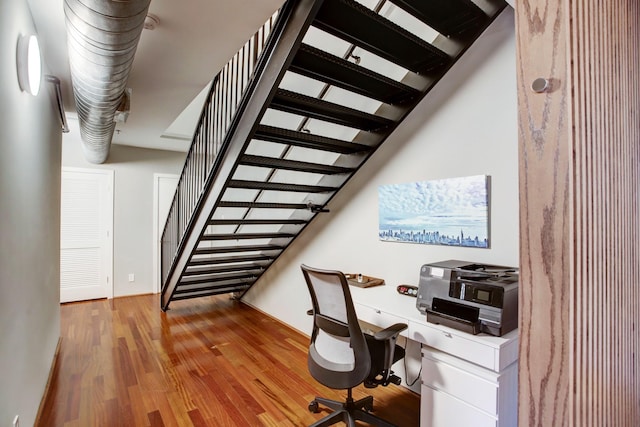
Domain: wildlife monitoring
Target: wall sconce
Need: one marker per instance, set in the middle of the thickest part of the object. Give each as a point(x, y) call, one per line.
point(29, 64)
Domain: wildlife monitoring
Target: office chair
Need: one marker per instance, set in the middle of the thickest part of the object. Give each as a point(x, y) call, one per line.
point(341, 356)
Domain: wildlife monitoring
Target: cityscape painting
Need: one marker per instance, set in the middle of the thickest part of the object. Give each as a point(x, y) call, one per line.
point(452, 212)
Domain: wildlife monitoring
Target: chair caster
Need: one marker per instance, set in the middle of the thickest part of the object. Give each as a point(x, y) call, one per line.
point(394, 379)
point(314, 407)
point(368, 407)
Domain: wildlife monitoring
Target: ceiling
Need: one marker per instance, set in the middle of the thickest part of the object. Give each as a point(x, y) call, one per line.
point(173, 63)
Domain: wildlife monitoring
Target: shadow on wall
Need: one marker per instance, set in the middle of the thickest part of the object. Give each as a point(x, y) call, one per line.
point(128, 154)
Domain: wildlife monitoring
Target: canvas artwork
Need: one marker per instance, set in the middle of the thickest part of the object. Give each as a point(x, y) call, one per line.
point(452, 211)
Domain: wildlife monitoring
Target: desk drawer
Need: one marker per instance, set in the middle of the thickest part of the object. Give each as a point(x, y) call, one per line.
point(464, 385)
point(454, 344)
point(438, 409)
point(378, 318)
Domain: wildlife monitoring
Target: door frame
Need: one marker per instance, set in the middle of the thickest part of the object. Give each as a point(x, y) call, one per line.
point(109, 202)
point(157, 233)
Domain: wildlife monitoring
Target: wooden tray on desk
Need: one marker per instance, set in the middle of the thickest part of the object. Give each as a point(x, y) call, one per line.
point(367, 281)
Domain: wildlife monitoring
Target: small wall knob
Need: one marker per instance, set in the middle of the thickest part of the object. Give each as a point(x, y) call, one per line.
point(540, 85)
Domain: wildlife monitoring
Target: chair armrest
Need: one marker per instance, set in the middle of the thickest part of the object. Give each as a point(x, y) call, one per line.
point(390, 332)
point(388, 336)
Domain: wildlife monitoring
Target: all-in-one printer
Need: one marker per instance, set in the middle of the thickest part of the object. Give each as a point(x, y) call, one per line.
point(471, 297)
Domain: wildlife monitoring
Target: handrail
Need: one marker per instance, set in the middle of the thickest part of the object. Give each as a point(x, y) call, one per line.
point(225, 99)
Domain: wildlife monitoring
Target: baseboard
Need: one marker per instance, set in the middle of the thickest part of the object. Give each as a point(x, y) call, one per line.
point(306, 334)
point(52, 371)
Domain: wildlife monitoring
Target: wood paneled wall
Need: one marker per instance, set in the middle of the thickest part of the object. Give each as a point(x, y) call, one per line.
point(579, 212)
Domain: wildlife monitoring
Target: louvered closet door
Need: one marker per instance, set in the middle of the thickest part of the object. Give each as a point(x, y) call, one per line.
point(86, 256)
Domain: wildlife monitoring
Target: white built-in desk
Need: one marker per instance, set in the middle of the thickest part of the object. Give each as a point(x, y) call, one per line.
point(467, 380)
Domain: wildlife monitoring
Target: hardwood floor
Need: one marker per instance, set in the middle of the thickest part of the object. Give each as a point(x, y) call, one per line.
point(206, 362)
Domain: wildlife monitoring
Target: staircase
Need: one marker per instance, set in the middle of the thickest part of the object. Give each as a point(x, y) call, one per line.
point(297, 111)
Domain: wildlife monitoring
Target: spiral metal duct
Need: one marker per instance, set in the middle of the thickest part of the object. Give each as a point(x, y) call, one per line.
point(102, 37)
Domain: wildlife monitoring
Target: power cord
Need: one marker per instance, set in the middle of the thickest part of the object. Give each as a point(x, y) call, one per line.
point(406, 371)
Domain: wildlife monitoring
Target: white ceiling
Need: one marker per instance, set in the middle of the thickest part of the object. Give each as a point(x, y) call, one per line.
point(175, 62)
point(172, 65)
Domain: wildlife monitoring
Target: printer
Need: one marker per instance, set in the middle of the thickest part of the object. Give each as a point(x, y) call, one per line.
point(468, 296)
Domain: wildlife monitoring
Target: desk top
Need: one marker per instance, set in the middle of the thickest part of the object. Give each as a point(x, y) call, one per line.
point(383, 306)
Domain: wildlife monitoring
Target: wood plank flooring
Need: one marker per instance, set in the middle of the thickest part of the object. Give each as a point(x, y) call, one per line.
point(206, 362)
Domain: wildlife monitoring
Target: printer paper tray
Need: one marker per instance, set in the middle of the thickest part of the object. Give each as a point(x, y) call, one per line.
point(453, 322)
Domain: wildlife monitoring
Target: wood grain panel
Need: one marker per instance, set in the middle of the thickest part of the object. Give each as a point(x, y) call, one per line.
point(206, 362)
point(607, 143)
point(545, 215)
point(580, 223)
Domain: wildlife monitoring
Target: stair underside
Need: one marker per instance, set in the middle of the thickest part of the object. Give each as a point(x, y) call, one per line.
point(257, 209)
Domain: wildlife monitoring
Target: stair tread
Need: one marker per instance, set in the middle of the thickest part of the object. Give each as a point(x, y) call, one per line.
point(448, 17)
point(261, 205)
point(307, 106)
point(229, 260)
point(363, 27)
point(278, 186)
point(182, 294)
point(197, 271)
point(254, 221)
point(221, 277)
point(319, 65)
point(236, 248)
point(243, 236)
point(295, 165)
point(308, 140)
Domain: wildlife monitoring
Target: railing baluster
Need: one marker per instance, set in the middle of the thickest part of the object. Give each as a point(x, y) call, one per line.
point(225, 95)
point(234, 81)
point(209, 151)
point(216, 120)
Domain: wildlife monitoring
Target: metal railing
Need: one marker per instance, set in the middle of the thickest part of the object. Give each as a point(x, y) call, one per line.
point(224, 101)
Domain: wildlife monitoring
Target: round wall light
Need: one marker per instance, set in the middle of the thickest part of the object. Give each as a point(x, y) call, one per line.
point(29, 64)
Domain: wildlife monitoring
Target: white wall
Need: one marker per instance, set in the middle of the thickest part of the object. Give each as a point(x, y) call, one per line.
point(466, 126)
point(133, 205)
point(30, 139)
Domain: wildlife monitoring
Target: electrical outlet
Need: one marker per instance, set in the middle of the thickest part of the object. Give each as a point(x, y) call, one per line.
point(16, 421)
point(132, 277)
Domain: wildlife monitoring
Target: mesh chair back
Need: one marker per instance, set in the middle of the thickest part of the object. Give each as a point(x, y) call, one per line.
point(338, 353)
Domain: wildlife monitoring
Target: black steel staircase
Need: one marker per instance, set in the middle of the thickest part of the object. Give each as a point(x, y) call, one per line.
point(289, 120)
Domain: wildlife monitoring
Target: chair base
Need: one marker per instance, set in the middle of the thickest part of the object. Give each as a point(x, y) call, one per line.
point(348, 412)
